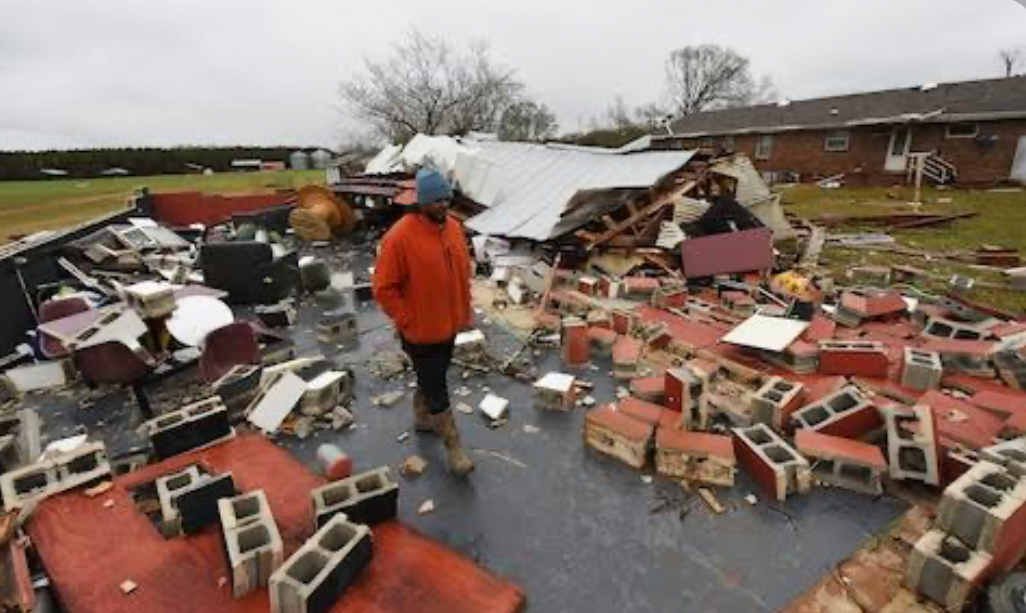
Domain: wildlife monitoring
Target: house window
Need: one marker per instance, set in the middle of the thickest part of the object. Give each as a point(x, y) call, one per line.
point(963, 130)
point(707, 143)
point(728, 143)
point(836, 141)
point(764, 147)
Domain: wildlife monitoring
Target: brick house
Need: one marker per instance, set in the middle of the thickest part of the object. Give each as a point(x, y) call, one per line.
point(972, 132)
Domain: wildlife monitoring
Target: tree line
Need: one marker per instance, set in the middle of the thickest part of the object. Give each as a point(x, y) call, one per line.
point(428, 86)
point(82, 163)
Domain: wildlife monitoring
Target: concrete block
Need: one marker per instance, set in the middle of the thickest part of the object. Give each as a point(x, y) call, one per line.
point(776, 401)
point(921, 370)
point(32, 483)
point(774, 464)
point(615, 434)
point(197, 503)
point(575, 343)
point(319, 573)
point(278, 351)
point(652, 389)
point(695, 456)
point(367, 498)
point(985, 508)
point(626, 357)
point(556, 392)
point(588, 285)
point(602, 340)
point(843, 462)
point(338, 327)
point(168, 487)
point(1011, 367)
point(1010, 454)
point(253, 545)
point(939, 327)
point(912, 447)
point(846, 413)
point(470, 345)
point(623, 321)
point(191, 427)
point(151, 299)
point(853, 358)
point(324, 392)
point(944, 570)
point(670, 296)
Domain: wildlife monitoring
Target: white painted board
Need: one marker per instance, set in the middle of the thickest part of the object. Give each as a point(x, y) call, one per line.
point(766, 332)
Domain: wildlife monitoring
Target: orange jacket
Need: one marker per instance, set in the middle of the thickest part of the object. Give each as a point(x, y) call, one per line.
point(422, 279)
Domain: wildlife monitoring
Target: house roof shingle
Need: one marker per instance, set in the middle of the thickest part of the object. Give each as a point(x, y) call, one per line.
point(948, 102)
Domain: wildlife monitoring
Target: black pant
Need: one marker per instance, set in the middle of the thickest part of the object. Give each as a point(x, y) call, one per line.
point(431, 363)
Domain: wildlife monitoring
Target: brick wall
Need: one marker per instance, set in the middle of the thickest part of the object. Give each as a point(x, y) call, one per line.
point(804, 152)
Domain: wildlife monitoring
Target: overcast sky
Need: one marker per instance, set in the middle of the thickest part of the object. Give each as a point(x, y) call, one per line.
point(84, 73)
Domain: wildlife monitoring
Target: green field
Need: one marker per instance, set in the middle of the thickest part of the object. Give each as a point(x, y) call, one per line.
point(1001, 221)
point(31, 206)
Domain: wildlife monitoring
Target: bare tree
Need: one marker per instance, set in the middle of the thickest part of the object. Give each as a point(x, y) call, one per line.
point(1011, 59)
point(425, 86)
point(527, 120)
point(703, 77)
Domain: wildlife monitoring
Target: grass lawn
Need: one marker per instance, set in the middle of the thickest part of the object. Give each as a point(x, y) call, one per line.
point(1001, 221)
point(31, 206)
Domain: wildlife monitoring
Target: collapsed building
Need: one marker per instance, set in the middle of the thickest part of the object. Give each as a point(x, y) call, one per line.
point(648, 313)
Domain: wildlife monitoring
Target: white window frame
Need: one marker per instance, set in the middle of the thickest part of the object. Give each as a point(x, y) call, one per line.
point(835, 148)
point(763, 146)
point(976, 130)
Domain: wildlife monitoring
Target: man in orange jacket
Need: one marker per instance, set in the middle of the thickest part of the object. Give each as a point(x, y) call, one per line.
point(422, 281)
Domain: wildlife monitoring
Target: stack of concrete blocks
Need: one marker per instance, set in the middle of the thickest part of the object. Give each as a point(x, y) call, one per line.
point(774, 464)
point(30, 484)
point(193, 426)
point(847, 413)
point(323, 393)
point(319, 573)
point(338, 327)
point(151, 299)
point(853, 358)
point(912, 447)
point(611, 432)
point(980, 533)
point(685, 393)
point(775, 401)
point(367, 498)
point(556, 392)
point(843, 462)
point(168, 488)
point(252, 542)
point(695, 456)
point(921, 370)
point(575, 345)
point(626, 357)
point(237, 388)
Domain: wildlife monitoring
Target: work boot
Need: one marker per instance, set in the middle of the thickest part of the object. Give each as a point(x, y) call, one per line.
point(459, 461)
point(423, 420)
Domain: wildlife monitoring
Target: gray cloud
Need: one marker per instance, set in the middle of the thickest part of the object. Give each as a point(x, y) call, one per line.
point(124, 72)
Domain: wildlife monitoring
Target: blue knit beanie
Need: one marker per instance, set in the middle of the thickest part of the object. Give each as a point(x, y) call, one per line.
point(432, 186)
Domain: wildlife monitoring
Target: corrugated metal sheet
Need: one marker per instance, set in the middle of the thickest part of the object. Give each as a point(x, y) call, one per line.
point(528, 188)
